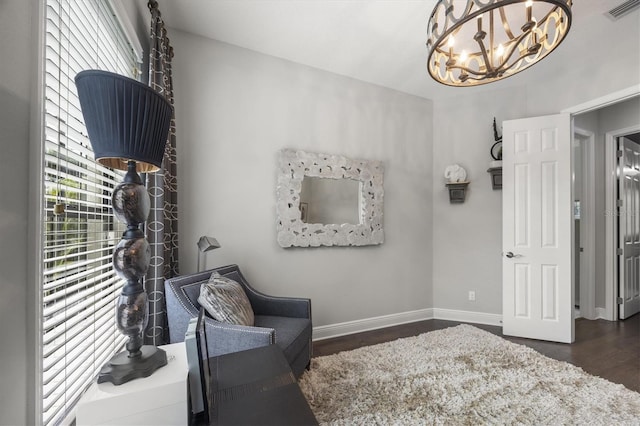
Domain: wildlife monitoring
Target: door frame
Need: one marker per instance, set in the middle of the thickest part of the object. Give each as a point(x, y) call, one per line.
point(587, 223)
point(611, 272)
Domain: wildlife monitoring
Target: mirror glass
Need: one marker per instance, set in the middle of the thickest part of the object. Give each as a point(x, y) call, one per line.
point(327, 200)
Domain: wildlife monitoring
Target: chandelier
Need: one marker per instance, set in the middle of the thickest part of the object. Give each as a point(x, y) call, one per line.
point(473, 42)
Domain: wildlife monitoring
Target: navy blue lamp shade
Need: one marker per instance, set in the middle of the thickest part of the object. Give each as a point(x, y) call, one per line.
point(126, 120)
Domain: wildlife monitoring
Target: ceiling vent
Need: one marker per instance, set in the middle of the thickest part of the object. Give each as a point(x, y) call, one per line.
point(622, 9)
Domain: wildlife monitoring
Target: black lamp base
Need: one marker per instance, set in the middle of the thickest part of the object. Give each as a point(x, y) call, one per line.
point(121, 369)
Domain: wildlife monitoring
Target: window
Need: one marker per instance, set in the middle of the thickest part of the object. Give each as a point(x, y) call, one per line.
point(79, 287)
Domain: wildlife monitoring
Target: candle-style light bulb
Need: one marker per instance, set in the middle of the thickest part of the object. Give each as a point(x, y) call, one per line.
point(500, 50)
point(450, 43)
point(528, 4)
point(463, 56)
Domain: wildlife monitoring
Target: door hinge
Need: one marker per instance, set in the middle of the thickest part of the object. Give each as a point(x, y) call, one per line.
point(619, 153)
point(620, 301)
point(619, 203)
point(619, 252)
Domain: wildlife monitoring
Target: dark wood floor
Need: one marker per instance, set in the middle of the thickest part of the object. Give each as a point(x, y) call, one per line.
point(603, 348)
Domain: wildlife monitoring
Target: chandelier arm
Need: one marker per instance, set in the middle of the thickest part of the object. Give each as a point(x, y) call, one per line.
point(476, 79)
point(483, 50)
point(505, 23)
point(524, 55)
point(551, 12)
point(512, 49)
point(489, 60)
point(468, 70)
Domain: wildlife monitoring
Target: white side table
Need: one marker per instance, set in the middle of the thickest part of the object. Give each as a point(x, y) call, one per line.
point(160, 399)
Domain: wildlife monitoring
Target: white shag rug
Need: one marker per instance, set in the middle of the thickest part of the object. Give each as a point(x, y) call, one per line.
point(460, 376)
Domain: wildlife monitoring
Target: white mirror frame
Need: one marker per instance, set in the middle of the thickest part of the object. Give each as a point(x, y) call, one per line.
point(293, 166)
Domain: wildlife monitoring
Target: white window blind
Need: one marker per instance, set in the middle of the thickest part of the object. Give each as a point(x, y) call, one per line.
point(79, 287)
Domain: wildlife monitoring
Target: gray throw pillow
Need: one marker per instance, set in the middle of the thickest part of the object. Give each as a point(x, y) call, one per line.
point(225, 300)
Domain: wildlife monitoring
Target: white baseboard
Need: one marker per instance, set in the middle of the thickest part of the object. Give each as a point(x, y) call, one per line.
point(468, 316)
point(601, 313)
point(358, 326)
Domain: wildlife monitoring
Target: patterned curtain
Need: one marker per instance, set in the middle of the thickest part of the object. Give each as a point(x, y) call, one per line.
point(162, 225)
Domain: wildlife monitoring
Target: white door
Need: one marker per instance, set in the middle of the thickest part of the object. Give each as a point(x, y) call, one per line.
point(537, 230)
point(629, 228)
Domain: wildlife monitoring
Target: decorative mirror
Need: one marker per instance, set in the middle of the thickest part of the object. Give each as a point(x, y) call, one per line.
point(328, 200)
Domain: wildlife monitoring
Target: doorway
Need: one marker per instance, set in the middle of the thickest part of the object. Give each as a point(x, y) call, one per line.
point(597, 262)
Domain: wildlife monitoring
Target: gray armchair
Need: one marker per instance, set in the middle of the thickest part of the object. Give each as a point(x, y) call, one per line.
point(285, 322)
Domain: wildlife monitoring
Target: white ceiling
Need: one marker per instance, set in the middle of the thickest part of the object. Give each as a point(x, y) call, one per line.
point(377, 41)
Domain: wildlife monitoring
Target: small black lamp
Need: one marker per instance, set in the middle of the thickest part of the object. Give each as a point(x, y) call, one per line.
point(128, 123)
point(204, 245)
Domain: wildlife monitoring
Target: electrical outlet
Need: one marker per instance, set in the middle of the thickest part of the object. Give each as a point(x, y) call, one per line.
point(472, 296)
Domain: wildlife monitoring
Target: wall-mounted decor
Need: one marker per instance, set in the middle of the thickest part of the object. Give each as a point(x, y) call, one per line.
point(495, 166)
point(455, 173)
point(496, 177)
point(457, 191)
point(334, 185)
point(456, 183)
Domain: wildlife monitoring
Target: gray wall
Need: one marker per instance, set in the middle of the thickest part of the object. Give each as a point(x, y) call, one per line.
point(467, 239)
point(235, 110)
point(16, 319)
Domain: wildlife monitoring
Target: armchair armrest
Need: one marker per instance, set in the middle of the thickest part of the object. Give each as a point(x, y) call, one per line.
point(225, 338)
point(263, 304)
